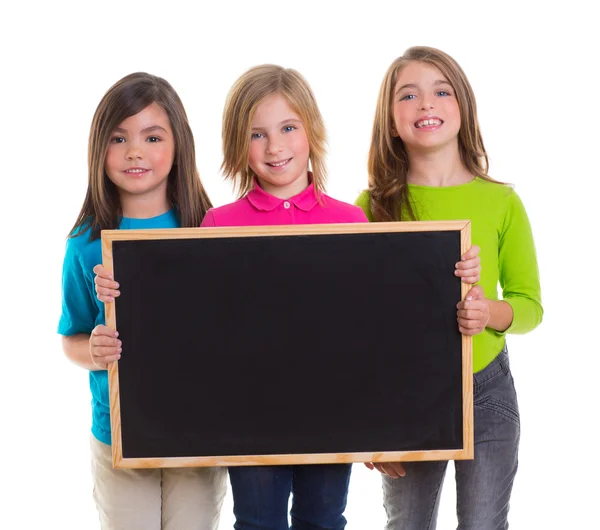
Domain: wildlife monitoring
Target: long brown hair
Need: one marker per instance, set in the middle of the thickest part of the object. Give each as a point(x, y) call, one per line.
point(388, 158)
point(132, 94)
point(242, 101)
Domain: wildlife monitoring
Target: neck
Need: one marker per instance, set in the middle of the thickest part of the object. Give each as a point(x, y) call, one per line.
point(439, 168)
point(288, 190)
point(144, 207)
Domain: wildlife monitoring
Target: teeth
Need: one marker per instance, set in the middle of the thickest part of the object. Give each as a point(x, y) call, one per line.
point(278, 164)
point(135, 170)
point(425, 123)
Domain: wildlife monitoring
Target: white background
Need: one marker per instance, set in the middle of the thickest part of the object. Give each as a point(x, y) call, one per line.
point(531, 66)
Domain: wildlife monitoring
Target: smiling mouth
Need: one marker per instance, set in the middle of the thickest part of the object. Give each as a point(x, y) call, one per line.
point(136, 170)
point(278, 164)
point(430, 122)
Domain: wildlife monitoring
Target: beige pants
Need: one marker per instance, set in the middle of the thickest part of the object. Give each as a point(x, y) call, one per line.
point(156, 499)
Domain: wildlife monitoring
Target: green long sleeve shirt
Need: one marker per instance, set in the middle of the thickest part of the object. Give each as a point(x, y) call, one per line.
point(500, 227)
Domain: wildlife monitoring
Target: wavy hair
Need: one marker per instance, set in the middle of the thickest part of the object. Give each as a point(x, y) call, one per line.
point(388, 159)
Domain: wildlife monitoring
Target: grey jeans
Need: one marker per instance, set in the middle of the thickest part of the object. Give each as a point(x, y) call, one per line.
point(483, 485)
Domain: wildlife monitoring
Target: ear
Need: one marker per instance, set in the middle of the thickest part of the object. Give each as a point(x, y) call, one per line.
point(394, 132)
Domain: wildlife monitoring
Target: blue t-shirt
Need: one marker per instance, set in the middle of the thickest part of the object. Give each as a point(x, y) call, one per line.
point(82, 311)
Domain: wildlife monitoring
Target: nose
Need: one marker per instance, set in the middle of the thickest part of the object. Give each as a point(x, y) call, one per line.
point(426, 103)
point(274, 145)
point(133, 151)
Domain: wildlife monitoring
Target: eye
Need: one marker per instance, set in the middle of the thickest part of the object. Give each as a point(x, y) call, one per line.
point(289, 128)
point(442, 93)
point(153, 139)
point(117, 140)
point(407, 97)
point(257, 135)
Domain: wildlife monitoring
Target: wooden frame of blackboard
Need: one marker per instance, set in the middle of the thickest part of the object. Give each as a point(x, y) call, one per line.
point(466, 451)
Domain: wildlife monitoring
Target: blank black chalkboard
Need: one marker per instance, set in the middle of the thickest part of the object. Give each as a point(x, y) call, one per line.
point(289, 348)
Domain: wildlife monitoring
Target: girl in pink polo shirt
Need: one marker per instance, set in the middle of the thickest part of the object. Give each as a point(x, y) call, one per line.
point(274, 148)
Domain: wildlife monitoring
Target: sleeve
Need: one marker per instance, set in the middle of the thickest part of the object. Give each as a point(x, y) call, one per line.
point(209, 219)
point(363, 202)
point(518, 268)
point(79, 309)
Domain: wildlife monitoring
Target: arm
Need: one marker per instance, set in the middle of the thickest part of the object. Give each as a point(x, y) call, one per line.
point(89, 346)
point(520, 310)
point(77, 350)
point(519, 276)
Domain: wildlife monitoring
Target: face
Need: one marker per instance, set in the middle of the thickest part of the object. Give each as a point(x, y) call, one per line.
point(425, 108)
point(140, 154)
point(279, 148)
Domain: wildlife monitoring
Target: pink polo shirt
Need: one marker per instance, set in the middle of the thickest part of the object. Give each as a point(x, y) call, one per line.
point(259, 208)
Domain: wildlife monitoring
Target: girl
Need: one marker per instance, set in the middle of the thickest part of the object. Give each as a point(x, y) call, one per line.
point(142, 174)
point(427, 161)
point(274, 146)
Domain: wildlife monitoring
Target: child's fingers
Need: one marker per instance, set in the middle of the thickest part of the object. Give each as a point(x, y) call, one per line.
point(106, 295)
point(99, 270)
point(101, 352)
point(471, 253)
point(468, 272)
point(381, 468)
point(469, 314)
point(391, 469)
point(468, 264)
point(470, 332)
point(369, 465)
point(103, 282)
point(103, 364)
point(104, 330)
point(104, 341)
point(476, 304)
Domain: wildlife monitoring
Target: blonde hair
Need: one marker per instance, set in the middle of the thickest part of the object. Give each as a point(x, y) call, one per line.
point(388, 158)
point(242, 101)
point(132, 94)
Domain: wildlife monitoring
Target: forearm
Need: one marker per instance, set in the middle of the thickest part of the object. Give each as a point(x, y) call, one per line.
point(77, 350)
point(501, 315)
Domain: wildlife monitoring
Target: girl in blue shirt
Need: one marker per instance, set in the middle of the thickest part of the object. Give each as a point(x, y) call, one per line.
point(141, 174)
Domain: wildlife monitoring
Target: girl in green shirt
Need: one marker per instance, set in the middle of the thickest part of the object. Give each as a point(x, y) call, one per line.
point(427, 161)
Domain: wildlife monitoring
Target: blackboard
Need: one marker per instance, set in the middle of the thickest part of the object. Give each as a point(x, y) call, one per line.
point(295, 344)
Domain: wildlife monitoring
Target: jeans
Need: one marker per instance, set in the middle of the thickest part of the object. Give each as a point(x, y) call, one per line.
point(484, 484)
point(261, 495)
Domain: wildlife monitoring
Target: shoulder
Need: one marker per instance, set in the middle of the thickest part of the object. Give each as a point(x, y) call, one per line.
point(80, 238)
point(227, 214)
point(81, 251)
point(496, 190)
point(347, 212)
point(363, 201)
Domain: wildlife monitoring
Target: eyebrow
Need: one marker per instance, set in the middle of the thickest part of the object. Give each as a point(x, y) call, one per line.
point(152, 128)
point(412, 85)
point(297, 120)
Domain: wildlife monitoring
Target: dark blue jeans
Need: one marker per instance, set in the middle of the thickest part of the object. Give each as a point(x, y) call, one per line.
point(261, 495)
point(483, 485)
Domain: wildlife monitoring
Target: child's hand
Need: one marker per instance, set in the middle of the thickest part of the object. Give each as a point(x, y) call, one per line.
point(106, 287)
point(105, 347)
point(391, 469)
point(468, 267)
point(473, 312)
